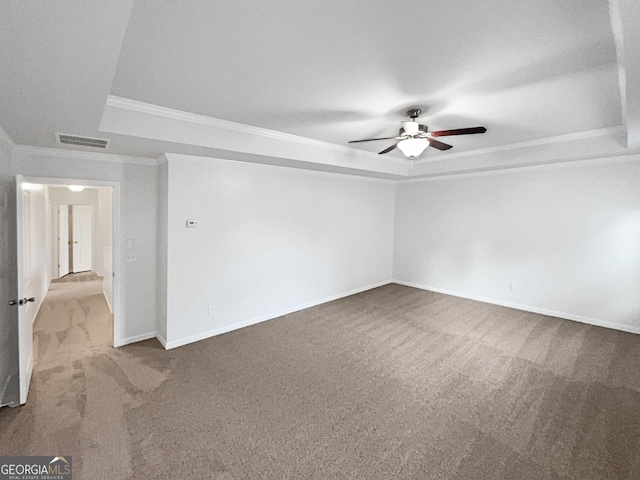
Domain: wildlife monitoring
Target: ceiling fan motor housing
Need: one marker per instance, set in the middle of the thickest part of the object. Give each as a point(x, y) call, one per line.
point(411, 128)
point(422, 128)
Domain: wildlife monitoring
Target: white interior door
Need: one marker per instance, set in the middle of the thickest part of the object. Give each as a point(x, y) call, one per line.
point(24, 301)
point(63, 240)
point(81, 217)
point(9, 356)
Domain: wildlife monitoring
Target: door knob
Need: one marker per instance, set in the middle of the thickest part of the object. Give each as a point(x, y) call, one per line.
point(22, 301)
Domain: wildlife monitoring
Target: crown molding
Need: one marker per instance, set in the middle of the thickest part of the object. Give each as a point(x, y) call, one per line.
point(5, 140)
point(82, 155)
point(600, 132)
point(173, 114)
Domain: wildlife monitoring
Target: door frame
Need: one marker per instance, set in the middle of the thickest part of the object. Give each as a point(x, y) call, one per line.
point(115, 231)
point(62, 245)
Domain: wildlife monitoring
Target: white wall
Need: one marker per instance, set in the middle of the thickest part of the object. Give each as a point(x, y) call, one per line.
point(270, 240)
point(136, 219)
point(568, 236)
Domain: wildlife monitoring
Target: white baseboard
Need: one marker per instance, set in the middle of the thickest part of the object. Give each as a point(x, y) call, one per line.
point(527, 308)
point(107, 300)
point(264, 318)
point(135, 338)
point(39, 303)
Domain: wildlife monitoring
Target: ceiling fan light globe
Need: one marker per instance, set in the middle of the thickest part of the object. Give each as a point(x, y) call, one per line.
point(413, 147)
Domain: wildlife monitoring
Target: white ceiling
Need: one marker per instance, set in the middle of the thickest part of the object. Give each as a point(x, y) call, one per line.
point(329, 71)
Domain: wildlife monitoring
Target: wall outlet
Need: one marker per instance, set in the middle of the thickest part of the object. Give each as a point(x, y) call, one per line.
point(212, 310)
point(513, 287)
point(130, 257)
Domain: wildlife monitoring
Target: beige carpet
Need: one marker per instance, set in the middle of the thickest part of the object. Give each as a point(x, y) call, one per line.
point(394, 383)
point(73, 321)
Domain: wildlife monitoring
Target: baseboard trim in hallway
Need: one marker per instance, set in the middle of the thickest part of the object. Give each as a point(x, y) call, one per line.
point(121, 342)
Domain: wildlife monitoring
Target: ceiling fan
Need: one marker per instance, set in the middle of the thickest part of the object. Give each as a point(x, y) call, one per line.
point(414, 138)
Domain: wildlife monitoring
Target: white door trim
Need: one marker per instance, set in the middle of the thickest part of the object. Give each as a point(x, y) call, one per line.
point(63, 240)
point(118, 270)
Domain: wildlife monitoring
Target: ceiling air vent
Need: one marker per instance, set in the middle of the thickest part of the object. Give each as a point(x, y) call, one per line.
point(81, 141)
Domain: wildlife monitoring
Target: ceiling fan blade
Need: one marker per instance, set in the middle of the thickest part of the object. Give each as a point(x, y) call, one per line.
point(372, 139)
point(387, 150)
point(458, 131)
point(439, 145)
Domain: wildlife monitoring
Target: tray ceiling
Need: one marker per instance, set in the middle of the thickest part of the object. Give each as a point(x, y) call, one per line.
point(328, 72)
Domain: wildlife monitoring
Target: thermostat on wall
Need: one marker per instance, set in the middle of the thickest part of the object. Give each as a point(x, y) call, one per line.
point(192, 223)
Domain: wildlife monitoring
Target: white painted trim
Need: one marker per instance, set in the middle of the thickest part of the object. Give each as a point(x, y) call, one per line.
point(505, 169)
point(39, 303)
point(599, 132)
point(5, 140)
point(173, 114)
point(526, 308)
point(82, 155)
point(136, 338)
point(264, 318)
point(318, 173)
point(106, 299)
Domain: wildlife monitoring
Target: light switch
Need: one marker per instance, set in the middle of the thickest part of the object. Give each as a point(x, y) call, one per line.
point(128, 244)
point(192, 223)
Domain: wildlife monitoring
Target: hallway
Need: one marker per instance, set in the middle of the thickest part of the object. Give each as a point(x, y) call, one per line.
point(74, 321)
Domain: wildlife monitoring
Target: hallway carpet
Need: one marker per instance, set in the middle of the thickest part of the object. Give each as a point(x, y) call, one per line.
point(74, 320)
point(392, 383)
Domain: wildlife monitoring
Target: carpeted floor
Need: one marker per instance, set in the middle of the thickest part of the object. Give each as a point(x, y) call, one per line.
point(393, 383)
point(74, 320)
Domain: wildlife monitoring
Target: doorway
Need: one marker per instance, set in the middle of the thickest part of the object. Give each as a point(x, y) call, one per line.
point(75, 238)
point(39, 256)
